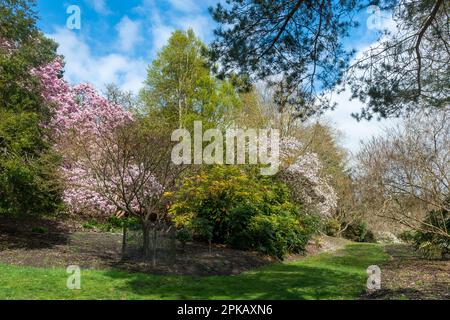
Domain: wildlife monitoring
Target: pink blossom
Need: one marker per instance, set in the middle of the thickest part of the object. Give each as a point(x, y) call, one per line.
point(81, 114)
point(304, 177)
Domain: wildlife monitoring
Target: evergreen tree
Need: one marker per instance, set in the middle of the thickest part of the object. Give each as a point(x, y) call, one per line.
point(28, 179)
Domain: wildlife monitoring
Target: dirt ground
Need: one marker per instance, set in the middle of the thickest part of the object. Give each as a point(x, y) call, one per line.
point(408, 276)
point(68, 244)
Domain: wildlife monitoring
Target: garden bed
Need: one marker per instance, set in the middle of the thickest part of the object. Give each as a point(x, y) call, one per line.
point(63, 244)
point(408, 276)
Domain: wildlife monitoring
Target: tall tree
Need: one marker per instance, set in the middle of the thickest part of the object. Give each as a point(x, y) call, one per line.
point(28, 181)
point(405, 173)
point(180, 86)
point(409, 68)
point(297, 46)
point(294, 44)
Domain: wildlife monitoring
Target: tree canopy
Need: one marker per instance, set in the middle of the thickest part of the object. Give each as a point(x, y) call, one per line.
point(180, 85)
point(297, 46)
point(28, 182)
point(409, 68)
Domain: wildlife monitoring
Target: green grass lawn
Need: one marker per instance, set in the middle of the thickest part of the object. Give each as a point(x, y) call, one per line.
point(340, 275)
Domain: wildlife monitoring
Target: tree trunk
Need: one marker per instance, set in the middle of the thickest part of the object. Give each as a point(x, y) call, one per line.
point(146, 241)
point(124, 240)
point(155, 245)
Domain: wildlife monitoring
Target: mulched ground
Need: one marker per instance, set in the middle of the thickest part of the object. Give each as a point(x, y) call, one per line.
point(67, 244)
point(408, 276)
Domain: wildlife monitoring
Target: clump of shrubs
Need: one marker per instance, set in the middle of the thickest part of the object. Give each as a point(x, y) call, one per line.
point(407, 236)
point(427, 241)
point(111, 224)
point(430, 243)
point(39, 229)
point(229, 205)
point(184, 236)
point(358, 231)
point(332, 227)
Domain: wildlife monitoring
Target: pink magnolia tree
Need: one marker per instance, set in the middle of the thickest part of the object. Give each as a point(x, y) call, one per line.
point(112, 163)
point(80, 118)
point(303, 174)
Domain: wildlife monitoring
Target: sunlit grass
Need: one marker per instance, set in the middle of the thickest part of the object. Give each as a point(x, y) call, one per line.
point(340, 275)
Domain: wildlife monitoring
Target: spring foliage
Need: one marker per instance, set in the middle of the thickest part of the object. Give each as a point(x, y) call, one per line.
point(235, 206)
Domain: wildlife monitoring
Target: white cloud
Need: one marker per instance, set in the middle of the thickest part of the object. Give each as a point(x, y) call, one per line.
point(354, 132)
point(99, 6)
point(83, 66)
point(186, 5)
point(161, 33)
point(129, 33)
point(162, 24)
point(202, 25)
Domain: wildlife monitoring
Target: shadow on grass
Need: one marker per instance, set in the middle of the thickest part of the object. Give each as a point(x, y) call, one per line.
point(327, 276)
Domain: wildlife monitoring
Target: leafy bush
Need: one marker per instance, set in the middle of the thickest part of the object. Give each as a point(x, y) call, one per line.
point(184, 236)
point(39, 229)
point(278, 234)
point(332, 227)
point(358, 231)
point(407, 236)
point(430, 243)
point(28, 167)
point(230, 205)
point(112, 224)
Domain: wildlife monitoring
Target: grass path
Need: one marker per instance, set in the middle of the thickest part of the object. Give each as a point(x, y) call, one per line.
point(338, 275)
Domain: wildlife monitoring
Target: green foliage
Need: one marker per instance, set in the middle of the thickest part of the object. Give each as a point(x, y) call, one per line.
point(278, 234)
point(401, 82)
point(184, 236)
point(407, 236)
point(29, 186)
point(429, 249)
point(358, 231)
point(332, 227)
point(266, 39)
point(112, 224)
point(28, 168)
point(431, 243)
point(232, 205)
point(39, 229)
point(91, 224)
point(180, 88)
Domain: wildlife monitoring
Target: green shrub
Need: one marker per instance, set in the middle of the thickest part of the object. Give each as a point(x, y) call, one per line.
point(29, 183)
point(358, 231)
point(41, 230)
point(91, 224)
point(230, 205)
point(278, 234)
point(429, 249)
point(332, 227)
point(184, 236)
point(430, 243)
point(112, 224)
point(407, 236)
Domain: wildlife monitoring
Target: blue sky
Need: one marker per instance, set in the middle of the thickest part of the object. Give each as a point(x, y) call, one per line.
point(118, 40)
